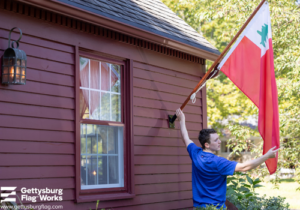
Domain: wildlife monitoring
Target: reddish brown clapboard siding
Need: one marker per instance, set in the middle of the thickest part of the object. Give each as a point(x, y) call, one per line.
point(36, 111)
point(37, 119)
point(66, 183)
point(162, 164)
point(21, 134)
point(36, 159)
point(163, 178)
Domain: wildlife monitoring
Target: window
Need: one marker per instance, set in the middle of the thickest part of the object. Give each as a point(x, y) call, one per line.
point(104, 129)
point(224, 148)
point(101, 145)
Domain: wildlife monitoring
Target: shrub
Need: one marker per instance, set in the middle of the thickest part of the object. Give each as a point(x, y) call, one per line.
point(242, 194)
point(210, 207)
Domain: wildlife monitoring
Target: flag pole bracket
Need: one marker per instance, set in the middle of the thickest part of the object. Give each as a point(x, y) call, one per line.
point(171, 121)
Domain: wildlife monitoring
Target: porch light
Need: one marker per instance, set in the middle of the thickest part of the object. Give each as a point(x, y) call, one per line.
point(14, 63)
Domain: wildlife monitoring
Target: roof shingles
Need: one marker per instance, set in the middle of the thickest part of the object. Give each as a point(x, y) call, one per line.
point(152, 16)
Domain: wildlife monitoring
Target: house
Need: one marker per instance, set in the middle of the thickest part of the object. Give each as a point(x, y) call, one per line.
point(90, 123)
point(253, 141)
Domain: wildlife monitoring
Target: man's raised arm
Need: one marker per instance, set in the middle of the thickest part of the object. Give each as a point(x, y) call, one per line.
point(185, 136)
point(248, 165)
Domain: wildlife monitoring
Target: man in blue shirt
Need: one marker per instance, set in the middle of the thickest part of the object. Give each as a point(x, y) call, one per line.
point(209, 172)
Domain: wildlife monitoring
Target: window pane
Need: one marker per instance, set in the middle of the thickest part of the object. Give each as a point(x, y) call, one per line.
point(115, 78)
point(113, 166)
point(83, 138)
point(91, 162)
point(95, 75)
point(95, 105)
point(105, 106)
point(102, 170)
point(84, 72)
point(91, 139)
point(84, 104)
point(102, 139)
point(116, 107)
point(113, 140)
point(83, 169)
point(104, 167)
point(105, 72)
point(99, 82)
point(223, 146)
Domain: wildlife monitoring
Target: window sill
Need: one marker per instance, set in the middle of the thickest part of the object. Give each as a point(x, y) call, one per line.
point(104, 197)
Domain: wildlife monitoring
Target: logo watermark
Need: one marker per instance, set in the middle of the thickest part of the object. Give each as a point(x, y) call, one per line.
point(42, 194)
point(9, 195)
point(5, 195)
point(39, 207)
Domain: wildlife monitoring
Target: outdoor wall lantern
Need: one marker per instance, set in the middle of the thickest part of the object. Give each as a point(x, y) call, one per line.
point(14, 63)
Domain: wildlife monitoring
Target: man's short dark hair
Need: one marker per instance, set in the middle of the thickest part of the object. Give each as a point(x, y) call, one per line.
point(204, 136)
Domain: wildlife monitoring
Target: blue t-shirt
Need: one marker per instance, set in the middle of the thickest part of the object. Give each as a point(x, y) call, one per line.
point(209, 177)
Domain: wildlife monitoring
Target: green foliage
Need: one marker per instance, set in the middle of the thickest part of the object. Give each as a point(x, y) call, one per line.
point(218, 21)
point(240, 139)
point(258, 203)
point(241, 192)
point(242, 186)
point(210, 207)
point(97, 206)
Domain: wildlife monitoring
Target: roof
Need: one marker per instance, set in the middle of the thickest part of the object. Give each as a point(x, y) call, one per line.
point(152, 16)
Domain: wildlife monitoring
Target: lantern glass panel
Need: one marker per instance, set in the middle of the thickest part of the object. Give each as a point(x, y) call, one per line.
point(18, 78)
point(18, 70)
point(19, 62)
point(23, 71)
point(11, 78)
point(5, 61)
point(24, 63)
point(11, 61)
point(11, 70)
point(5, 70)
point(5, 78)
point(23, 79)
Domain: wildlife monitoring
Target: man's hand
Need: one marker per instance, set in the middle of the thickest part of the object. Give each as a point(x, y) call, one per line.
point(180, 115)
point(272, 152)
point(184, 133)
point(248, 165)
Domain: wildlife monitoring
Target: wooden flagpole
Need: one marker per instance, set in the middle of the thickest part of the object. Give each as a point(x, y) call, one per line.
point(171, 120)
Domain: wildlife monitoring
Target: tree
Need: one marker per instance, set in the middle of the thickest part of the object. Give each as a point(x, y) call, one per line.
point(218, 21)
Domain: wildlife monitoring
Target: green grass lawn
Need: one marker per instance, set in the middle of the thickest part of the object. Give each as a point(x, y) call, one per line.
point(287, 189)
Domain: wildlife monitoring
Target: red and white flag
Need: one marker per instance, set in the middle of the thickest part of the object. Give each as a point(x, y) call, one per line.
point(250, 66)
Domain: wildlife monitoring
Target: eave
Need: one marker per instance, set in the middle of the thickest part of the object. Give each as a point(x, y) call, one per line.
point(99, 20)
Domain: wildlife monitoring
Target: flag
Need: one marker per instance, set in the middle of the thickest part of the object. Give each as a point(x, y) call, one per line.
point(249, 64)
